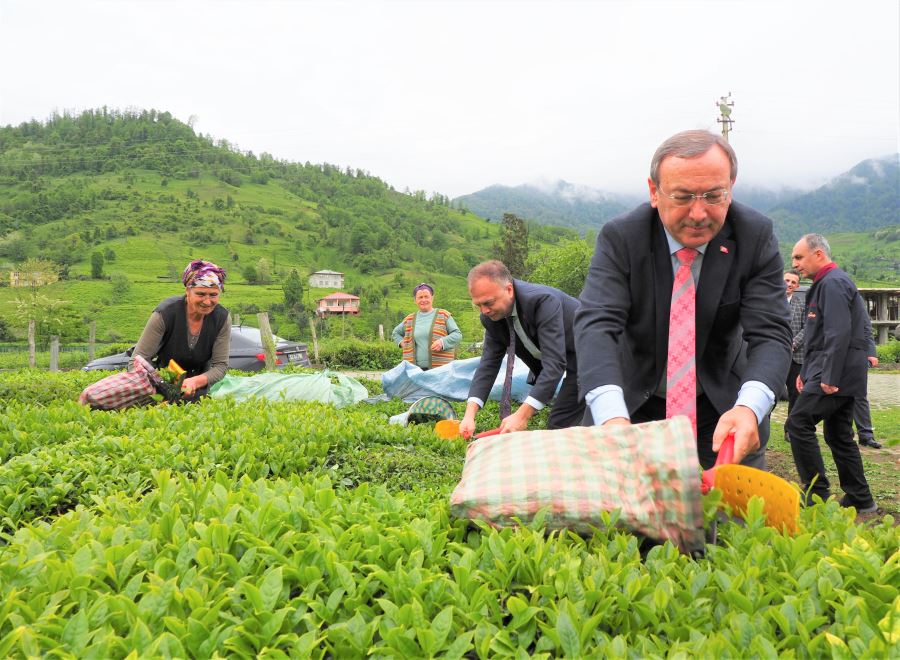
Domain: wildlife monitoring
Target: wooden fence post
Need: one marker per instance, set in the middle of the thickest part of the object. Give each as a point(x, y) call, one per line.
point(265, 333)
point(92, 339)
point(312, 329)
point(380, 332)
point(54, 353)
point(235, 319)
point(32, 362)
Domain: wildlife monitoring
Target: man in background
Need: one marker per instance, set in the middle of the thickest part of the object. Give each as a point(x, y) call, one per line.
point(797, 305)
point(833, 376)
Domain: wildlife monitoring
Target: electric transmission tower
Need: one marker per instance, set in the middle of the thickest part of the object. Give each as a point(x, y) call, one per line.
point(725, 104)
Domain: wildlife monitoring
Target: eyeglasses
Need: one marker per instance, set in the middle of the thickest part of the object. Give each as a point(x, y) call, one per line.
point(711, 198)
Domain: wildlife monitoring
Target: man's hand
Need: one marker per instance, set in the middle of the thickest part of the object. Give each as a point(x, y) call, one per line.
point(873, 361)
point(799, 384)
point(437, 345)
point(741, 421)
point(617, 421)
point(829, 389)
point(467, 427)
point(518, 421)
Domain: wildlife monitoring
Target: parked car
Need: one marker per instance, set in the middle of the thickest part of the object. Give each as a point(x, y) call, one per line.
point(246, 353)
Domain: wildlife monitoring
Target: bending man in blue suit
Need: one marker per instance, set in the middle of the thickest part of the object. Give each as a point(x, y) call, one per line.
point(540, 317)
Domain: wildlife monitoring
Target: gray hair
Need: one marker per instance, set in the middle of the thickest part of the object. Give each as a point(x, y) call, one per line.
point(817, 242)
point(690, 144)
point(494, 270)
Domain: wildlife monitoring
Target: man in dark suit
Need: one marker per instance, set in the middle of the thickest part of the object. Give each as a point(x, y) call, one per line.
point(741, 338)
point(834, 373)
point(540, 317)
point(797, 304)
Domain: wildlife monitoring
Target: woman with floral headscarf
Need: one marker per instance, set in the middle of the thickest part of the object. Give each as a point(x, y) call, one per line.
point(430, 336)
point(193, 329)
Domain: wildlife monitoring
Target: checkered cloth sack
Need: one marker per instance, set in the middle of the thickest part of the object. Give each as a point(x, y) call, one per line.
point(123, 390)
point(649, 472)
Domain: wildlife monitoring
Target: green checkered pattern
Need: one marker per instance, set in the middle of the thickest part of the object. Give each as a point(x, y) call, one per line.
point(649, 472)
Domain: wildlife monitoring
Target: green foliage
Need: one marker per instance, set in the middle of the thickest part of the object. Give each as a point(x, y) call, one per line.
point(564, 267)
point(889, 352)
point(97, 265)
point(356, 354)
point(293, 529)
point(512, 248)
point(293, 290)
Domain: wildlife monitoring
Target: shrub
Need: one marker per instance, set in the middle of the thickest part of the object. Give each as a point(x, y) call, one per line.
point(889, 352)
point(356, 354)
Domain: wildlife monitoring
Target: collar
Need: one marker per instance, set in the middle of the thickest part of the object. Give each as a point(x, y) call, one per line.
point(674, 245)
point(824, 270)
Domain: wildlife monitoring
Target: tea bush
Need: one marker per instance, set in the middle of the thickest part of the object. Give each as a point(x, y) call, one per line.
point(296, 530)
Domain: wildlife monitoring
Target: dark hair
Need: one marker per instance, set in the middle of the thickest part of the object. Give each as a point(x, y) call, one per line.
point(794, 272)
point(690, 144)
point(493, 270)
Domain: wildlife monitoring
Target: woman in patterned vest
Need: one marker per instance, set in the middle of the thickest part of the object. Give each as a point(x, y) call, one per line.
point(430, 336)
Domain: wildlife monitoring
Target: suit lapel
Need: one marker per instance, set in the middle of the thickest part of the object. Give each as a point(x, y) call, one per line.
point(720, 255)
point(663, 279)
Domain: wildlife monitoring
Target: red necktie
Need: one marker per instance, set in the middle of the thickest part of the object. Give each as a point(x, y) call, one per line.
point(506, 396)
point(681, 371)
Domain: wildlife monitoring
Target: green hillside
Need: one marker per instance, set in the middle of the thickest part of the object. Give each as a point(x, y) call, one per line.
point(863, 199)
point(149, 194)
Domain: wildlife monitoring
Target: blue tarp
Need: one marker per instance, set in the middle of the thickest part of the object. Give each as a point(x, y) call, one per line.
point(451, 381)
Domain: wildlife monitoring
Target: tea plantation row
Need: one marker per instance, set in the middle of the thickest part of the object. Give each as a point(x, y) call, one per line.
point(298, 530)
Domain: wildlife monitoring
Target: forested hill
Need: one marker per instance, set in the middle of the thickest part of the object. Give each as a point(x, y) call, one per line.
point(104, 173)
point(148, 193)
point(865, 198)
point(561, 203)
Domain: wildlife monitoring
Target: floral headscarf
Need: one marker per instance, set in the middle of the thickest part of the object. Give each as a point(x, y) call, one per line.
point(204, 274)
point(427, 287)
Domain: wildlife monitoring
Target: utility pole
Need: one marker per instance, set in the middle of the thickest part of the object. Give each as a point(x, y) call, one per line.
point(725, 105)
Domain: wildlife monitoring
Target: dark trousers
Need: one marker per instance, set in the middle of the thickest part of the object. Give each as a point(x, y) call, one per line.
point(707, 417)
point(862, 417)
point(567, 410)
point(791, 383)
point(837, 414)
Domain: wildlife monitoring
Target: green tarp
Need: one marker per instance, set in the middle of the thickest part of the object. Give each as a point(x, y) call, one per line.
point(292, 387)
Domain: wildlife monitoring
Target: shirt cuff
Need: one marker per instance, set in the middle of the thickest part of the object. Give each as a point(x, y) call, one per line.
point(606, 402)
point(756, 396)
point(534, 403)
point(475, 399)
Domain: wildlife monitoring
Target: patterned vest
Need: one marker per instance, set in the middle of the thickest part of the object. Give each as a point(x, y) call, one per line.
point(438, 330)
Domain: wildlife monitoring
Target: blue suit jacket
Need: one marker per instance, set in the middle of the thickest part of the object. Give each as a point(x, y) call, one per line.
point(546, 315)
point(622, 328)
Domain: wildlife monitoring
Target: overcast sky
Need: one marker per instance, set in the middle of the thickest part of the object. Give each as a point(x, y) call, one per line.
point(456, 96)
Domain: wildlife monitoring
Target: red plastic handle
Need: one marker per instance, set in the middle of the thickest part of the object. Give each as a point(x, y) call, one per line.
point(726, 455)
point(485, 434)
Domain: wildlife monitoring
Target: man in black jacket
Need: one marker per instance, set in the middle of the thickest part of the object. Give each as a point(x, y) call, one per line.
point(741, 346)
point(834, 374)
point(539, 319)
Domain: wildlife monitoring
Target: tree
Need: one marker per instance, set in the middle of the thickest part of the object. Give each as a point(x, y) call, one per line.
point(97, 265)
point(512, 249)
point(564, 266)
point(293, 290)
point(121, 286)
point(263, 271)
